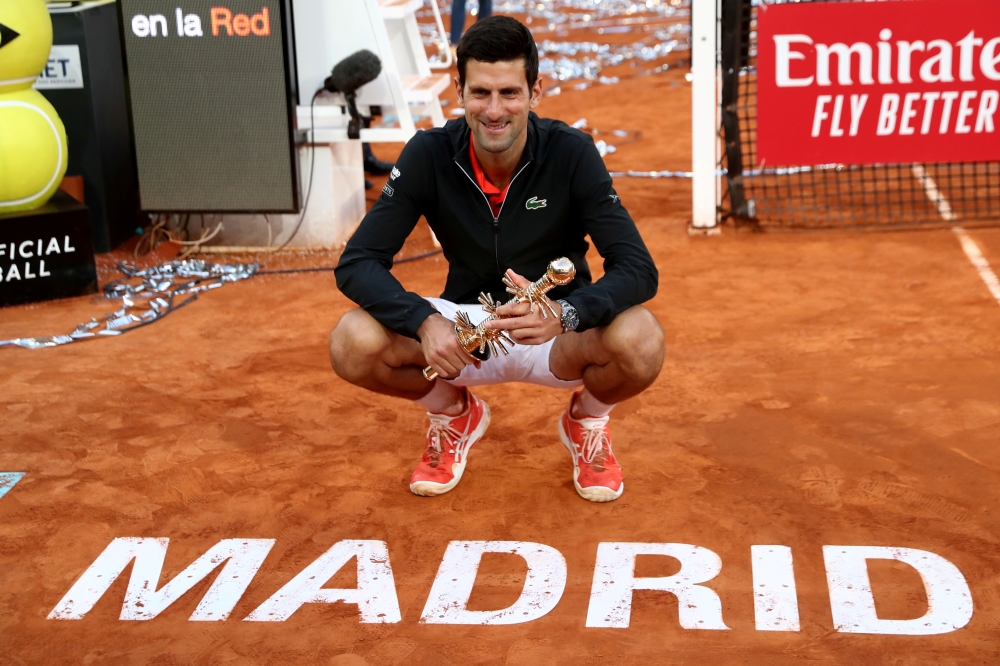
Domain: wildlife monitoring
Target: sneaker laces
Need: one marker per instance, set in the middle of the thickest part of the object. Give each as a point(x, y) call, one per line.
point(441, 428)
point(594, 440)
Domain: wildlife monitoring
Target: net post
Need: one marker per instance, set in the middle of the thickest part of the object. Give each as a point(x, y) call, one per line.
point(704, 114)
point(735, 22)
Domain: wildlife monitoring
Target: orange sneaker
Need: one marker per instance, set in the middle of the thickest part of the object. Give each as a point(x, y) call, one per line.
point(596, 473)
point(448, 442)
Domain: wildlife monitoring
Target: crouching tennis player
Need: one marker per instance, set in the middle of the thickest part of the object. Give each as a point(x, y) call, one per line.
point(502, 189)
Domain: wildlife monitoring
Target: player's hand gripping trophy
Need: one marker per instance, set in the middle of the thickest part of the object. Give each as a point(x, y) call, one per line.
point(482, 342)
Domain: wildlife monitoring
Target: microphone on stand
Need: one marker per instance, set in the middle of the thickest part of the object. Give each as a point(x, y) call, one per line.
point(350, 74)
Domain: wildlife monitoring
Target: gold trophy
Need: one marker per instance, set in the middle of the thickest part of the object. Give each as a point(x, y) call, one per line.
point(482, 342)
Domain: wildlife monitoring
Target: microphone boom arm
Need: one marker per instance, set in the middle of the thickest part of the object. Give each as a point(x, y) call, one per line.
point(357, 120)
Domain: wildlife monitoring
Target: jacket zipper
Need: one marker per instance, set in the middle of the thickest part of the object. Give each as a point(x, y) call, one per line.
point(496, 218)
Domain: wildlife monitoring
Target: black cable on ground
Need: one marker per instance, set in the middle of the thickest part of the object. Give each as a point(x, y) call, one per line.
point(332, 268)
point(297, 270)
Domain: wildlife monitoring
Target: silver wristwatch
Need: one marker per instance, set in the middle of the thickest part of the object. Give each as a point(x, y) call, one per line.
point(570, 317)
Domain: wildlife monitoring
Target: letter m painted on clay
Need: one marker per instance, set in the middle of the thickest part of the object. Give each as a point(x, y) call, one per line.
point(143, 601)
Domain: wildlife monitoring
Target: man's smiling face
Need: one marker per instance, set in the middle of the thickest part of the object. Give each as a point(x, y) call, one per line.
point(497, 100)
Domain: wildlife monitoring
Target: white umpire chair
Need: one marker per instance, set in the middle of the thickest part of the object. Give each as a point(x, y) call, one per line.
point(327, 31)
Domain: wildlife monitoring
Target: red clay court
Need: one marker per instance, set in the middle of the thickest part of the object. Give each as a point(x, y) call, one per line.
point(820, 389)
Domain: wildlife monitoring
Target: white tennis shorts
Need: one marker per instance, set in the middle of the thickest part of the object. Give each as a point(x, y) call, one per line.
point(524, 363)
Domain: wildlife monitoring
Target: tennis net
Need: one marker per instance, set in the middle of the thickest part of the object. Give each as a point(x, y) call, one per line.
point(817, 196)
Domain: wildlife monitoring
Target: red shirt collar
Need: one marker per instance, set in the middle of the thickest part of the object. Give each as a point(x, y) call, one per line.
point(492, 192)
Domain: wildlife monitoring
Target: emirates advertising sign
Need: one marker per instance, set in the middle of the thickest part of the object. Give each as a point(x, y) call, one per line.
point(878, 82)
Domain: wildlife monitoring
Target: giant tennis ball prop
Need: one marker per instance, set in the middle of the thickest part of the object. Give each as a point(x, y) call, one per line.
point(33, 153)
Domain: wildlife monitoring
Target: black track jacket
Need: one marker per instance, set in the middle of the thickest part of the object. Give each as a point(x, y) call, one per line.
point(560, 193)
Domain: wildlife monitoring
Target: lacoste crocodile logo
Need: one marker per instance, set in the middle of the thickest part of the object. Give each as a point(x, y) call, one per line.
point(534, 202)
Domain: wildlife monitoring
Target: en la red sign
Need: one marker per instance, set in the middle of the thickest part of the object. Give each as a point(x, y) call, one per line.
point(878, 83)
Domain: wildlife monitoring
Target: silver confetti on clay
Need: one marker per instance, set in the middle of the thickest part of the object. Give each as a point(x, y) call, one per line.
point(147, 295)
point(585, 59)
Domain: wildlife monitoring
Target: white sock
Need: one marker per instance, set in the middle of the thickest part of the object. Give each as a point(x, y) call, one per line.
point(591, 406)
point(441, 397)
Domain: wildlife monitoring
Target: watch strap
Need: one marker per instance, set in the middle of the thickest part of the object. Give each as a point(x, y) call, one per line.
point(570, 317)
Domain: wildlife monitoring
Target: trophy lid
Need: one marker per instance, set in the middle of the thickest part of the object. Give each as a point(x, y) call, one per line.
point(561, 271)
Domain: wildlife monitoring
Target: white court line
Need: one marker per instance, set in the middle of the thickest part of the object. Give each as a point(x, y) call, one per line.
point(968, 245)
point(979, 261)
point(933, 193)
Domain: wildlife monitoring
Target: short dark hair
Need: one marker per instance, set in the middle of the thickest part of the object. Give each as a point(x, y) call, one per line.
point(496, 39)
